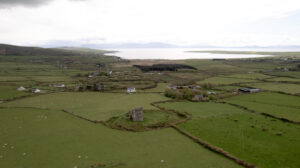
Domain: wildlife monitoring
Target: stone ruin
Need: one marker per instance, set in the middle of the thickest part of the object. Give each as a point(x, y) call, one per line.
point(137, 114)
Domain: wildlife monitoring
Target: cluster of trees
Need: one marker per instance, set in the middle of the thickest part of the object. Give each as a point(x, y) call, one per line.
point(164, 67)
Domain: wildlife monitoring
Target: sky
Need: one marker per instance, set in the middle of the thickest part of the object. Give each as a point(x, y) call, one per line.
point(179, 22)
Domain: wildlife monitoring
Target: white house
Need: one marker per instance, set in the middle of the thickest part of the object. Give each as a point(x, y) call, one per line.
point(34, 90)
point(131, 90)
point(21, 88)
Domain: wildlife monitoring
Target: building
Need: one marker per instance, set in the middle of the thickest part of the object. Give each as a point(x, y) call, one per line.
point(131, 90)
point(59, 85)
point(211, 93)
point(137, 114)
point(172, 87)
point(21, 88)
point(79, 88)
point(198, 97)
point(249, 90)
point(98, 87)
point(35, 90)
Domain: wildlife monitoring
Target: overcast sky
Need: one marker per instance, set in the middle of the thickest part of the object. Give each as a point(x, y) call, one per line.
point(182, 22)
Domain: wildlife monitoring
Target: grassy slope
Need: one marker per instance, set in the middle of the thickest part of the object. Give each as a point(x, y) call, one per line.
point(58, 140)
point(273, 103)
point(96, 106)
point(215, 124)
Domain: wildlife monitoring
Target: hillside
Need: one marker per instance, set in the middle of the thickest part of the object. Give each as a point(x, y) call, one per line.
point(37, 51)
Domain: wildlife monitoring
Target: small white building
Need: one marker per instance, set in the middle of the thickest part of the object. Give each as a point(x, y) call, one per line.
point(21, 88)
point(59, 85)
point(34, 90)
point(131, 90)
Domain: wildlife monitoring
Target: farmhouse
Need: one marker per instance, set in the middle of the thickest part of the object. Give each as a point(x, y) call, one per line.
point(131, 90)
point(137, 114)
point(249, 90)
point(34, 90)
point(21, 88)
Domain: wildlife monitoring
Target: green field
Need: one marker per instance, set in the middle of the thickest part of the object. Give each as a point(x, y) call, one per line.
point(250, 76)
point(152, 119)
point(293, 74)
point(51, 78)
point(228, 88)
point(224, 81)
point(92, 105)
point(282, 87)
point(161, 87)
point(260, 140)
point(279, 105)
point(284, 79)
point(12, 78)
point(9, 92)
point(43, 138)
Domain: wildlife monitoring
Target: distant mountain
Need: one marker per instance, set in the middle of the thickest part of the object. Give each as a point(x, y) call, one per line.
point(124, 45)
point(6, 49)
point(154, 45)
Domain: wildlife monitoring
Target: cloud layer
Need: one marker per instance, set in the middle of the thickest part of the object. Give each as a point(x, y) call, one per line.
point(182, 22)
point(26, 3)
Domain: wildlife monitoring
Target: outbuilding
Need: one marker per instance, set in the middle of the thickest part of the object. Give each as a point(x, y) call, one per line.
point(35, 90)
point(21, 88)
point(131, 90)
point(249, 90)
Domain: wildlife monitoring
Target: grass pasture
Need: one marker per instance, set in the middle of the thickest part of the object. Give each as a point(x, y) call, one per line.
point(279, 105)
point(292, 74)
point(13, 78)
point(153, 119)
point(284, 79)
point(92, 105)
point(260, 140)
point(249, 76)
point(51, 78)
point(279, 87)
point(45, 138)
point(161, 87)
point(224, 81)
point(9, 92)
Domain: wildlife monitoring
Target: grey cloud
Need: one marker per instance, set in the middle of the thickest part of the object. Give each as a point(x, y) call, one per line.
point(27, 3)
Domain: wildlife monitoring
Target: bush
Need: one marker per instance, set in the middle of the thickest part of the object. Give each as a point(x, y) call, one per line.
point(170, 93)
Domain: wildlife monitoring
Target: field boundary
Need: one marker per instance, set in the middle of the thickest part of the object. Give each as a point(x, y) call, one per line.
point(263, 113)
point(215, 148)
